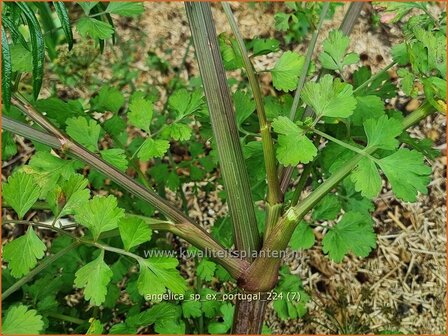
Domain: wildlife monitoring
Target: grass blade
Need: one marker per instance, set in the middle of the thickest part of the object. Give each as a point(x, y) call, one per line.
point(49, 28)
point(6, 71)
point(16, 36)
point(37, 47)
point(62, 13)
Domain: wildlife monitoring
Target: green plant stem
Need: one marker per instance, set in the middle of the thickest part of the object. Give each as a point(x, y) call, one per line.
point(66, 318)
point(222, 117)
point(361, 151)
point(274, 195)
point(306, 65)
point(374, 77)
point(301, 184)
point(43, 265)
point(188, 231)
point(75, 238)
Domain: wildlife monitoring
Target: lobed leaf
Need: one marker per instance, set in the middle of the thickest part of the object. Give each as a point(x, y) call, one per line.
point(153, 148)
point(22, 253)
point(19, 320)
point(133, 231)
point(100, 214)
point(21, 192)
point(85, 132)
point(353, 233)
point(285, 74)
point(94, 278)
point(330, 98)
point(293, 144)
point(407, 173)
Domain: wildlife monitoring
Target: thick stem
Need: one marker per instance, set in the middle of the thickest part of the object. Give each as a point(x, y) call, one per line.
point(249, 316)
point(222, 117)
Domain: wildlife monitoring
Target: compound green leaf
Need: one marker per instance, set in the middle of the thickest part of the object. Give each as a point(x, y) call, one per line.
point(57, 110)
point(367, 107)
point(134, 231)
point(407, 173)
point(22, 253)
point(95, 328)
point(48, 169)
point(354, 233)
point(185, 103)
point(177, 131)
point(330, 98)
point(191, 308)
point(282, 21)
point(265, 46)
point(94, 278)
point(85, 132)
point(209, 307)
point(21, 192)
point(286, 305)
point(285, 74)
point(230, 52)
point(20, 320)
point(100, 214)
